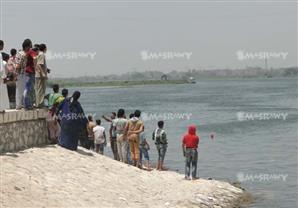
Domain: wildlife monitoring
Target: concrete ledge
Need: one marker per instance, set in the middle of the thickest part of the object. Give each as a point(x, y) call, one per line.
point(10, 116)
point(21, 129)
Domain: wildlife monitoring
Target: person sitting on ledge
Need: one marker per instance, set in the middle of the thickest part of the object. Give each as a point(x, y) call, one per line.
point(61, 102)
point(53, 97)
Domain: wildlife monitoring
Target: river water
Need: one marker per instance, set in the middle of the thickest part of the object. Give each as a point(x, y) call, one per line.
point(254, 123)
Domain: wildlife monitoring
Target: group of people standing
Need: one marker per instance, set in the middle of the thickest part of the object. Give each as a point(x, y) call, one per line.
point(127, 138)
point(69, 127)
point(129, 143)
point(23, 76)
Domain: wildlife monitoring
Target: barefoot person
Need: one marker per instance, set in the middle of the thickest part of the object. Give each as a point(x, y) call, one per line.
point(134, 127)
point(190, 144)
point(161, 142)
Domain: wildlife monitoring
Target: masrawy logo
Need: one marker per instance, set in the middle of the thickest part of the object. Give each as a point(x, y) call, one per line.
point(69, 55)
point(74, 116)
point(260, 55)
point(253, 116)
point(164, 55)
point(165, 116)
point(261, 177)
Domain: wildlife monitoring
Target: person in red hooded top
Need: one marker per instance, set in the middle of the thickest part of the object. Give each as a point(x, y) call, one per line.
point(190, 145)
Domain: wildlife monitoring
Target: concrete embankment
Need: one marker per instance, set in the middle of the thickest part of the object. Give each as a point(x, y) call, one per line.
point(52, 176)
point(21, 129)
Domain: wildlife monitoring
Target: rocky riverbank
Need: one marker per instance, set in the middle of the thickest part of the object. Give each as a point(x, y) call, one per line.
point(55, 177)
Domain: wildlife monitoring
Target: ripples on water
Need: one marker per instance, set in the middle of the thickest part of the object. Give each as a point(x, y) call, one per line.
point(252, 147)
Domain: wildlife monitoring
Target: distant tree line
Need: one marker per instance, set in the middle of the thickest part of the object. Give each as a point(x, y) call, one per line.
point(184, 75)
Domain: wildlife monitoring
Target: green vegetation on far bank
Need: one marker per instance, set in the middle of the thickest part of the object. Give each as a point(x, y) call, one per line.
point(174, 77)
point(67, 83)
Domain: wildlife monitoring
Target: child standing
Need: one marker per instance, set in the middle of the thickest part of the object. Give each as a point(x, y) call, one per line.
point(99, 137)
point(161, 142)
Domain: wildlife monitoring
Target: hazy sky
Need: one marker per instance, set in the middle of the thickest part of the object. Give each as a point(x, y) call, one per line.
point(118, 31)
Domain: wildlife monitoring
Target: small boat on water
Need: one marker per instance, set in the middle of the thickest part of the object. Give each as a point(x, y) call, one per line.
point(191, 80)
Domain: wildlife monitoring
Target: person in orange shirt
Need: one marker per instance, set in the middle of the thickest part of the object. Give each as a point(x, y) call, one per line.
point(133, 128)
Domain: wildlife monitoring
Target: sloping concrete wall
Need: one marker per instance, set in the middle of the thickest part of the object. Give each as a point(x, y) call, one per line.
point(22, 129)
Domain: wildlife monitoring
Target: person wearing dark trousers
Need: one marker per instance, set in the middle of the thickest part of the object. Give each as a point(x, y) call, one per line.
point(190, 145)
point(161, 142)
point(89, 142)
point(29, 92)
point(113, 134)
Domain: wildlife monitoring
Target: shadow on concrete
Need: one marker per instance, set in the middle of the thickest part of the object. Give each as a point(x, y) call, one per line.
point(48, 146)
point(9, 154)
point(82, 152)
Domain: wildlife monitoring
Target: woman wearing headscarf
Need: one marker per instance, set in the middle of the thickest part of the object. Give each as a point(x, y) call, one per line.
point(73, 122)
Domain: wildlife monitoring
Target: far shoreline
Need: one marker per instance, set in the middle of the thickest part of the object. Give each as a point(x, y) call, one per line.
point(130, 83)
point(116, 83)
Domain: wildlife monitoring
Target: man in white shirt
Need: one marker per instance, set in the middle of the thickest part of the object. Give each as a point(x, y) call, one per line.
point(119, 126)
point(4, 102)
point(1, 48)
point(99, 137)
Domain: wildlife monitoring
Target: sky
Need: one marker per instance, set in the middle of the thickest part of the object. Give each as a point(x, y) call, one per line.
point(88, 38)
